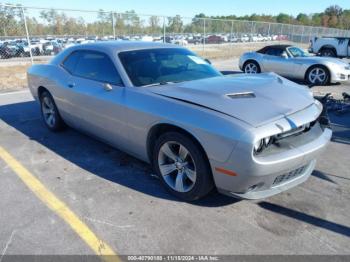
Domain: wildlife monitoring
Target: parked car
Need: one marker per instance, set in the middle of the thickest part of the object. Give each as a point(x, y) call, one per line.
point(167, 39)
point(180, 41)
point(214, 39)
point(330, 46)
point(37, 47)
point(7, 51)
point(249, 136)
point(244, 38)
point(194, 40)
point(23, 49)
point(51, 48)
point(256, 38)
point(233, 39)
point(293, 62)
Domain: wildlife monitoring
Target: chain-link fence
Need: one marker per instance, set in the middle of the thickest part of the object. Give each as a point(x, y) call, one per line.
point(35, 32)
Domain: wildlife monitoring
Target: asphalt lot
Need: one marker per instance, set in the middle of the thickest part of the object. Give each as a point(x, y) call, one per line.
point(120, 200)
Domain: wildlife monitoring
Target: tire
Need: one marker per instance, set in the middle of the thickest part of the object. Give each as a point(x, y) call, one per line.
point(192, 171)
point(251, 67)
point(49, 112)
point(313, 71)
point(328, 52)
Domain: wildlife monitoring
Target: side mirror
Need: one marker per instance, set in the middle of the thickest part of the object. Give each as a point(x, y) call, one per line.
point(284, 55)
point(208, 61)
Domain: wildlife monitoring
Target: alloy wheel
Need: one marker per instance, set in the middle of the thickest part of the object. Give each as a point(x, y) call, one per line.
point(49, 111)
point(251, 68)
point(177, 166)
point(317, 75)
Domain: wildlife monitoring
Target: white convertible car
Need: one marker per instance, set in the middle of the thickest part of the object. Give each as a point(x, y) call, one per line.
point(293, 62)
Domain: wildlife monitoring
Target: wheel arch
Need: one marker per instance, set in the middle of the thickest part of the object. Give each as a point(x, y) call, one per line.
point(328, 47)
point(251, 60)
point(40, 90)
point(161, 128)
point(318, 65)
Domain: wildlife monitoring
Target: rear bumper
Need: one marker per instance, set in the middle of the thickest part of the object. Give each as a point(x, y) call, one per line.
point(263, 177)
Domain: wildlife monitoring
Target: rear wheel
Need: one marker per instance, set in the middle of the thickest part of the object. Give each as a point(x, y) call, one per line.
point(328, 52)
point(318, 75)
point(251, 67)
point(182, 166)
point(50, 114)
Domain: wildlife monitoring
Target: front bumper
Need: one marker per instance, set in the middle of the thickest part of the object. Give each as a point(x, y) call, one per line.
point(264, 176)
point(342, 75)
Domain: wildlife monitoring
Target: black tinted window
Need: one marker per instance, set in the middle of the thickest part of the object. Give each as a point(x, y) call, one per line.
point(156, 66)
point(71, 61)
point(97, 66)
point(274, 51)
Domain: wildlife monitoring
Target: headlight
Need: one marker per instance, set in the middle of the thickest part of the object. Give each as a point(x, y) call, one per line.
point(261, 144)
point(267, 141)
point(258, 146)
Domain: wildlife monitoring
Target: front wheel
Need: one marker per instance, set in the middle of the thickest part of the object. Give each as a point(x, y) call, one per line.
point(251, 67)
point(182, 166)
point(318, 75)
point(327, 52)
point(49, 112)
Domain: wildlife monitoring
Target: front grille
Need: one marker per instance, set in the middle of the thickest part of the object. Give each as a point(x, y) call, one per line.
point(288, 176)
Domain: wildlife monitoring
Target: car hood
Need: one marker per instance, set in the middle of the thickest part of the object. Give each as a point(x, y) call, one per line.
point(254, 99)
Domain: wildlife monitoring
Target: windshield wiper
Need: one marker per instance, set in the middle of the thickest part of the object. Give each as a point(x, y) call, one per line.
point(162, 83)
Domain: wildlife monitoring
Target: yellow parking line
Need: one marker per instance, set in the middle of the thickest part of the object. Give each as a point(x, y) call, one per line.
point(60, 208)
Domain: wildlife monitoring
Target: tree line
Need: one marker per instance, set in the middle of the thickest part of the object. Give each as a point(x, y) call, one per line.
point(53, 22)
point(333, 16)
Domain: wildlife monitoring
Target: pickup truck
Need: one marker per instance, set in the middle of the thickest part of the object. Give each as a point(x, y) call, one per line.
point(330, 46)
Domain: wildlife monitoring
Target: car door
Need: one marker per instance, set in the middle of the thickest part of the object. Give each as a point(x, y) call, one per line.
point(296, 61)
point(274, 62)
point(63, 92)
point(98, 95)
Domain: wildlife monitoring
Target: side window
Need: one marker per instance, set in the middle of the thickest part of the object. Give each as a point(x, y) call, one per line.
point(70, 62)
point(274, 52)
point(296, 52)
point(97, 66)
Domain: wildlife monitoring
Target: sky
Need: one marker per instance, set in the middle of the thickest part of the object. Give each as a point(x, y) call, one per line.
point(189, 8)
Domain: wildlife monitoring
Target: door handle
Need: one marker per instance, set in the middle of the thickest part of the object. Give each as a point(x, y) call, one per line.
point(71, 85)
point(107, 87)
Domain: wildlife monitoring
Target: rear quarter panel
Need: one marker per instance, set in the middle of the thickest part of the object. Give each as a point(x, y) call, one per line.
point(251, 56)
point(40, 75)
point(53, 78)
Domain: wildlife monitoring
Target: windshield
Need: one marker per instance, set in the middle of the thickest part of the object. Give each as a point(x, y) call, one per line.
point(297, 52)
point(165, 65)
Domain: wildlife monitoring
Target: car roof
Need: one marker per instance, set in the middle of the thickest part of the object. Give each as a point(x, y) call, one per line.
point(263, 50)
point(111, 48)
point(278, 46)
point(124, 45)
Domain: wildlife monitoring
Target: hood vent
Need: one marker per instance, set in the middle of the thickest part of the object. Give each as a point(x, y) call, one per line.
point(241, 95)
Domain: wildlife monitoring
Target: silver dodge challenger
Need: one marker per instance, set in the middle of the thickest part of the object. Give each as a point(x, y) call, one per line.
point(293, 62)
point(248, 136)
